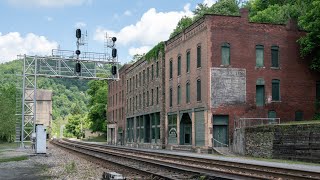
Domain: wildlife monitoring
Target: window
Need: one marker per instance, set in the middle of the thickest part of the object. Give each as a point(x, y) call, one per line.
point(298, 115)
point(259, 95)
point(157, 66)
point(170, 69)
point(198, 56)
point(127, 86)
point(133, 103)
point(130, 85)
point(179, 95)
point(274, 56)
point(179, 65)
point(272, 115)
point(188, 61)
point(147, 98)
point(157, 95)
point(259, 56)
point(275, 90)
point(198, 90)
point(148, 74)
point(225, 54)
point(152, 72)
point(144, 100)
point(170, 97)
point(140, 101)
point(136, 102)
point(133, 82)
point(139, 78)
point(136, 80)
point(144, 77)
point(188, 92)
point(151, 97)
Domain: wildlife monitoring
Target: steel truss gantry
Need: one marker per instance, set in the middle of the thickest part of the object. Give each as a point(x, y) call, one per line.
point(61, 64)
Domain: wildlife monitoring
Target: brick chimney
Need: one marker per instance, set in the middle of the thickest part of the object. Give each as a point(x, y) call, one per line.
point(244, 14)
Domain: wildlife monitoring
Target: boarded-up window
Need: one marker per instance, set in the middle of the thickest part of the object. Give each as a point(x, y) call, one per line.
point(225, 54)
point(179, 65)
point(198, 56)
point(259, 95)
point(198, 90)
point(188, 92)
point(298, 115)
point(188, 61)
point(276, 90)
point(274, 56)
point(259, 55)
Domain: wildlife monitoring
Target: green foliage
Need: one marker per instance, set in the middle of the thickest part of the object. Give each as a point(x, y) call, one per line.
point(69, 98)
point(305, 11)
point(154, 52)
point(76, 125)
point(97, 91)
point(10, 159)
point(70, 167)
point(310, 45)
point(221, 7)
point(7, 109)
point(182, 24)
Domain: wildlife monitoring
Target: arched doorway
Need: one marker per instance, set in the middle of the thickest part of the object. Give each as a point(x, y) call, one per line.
point(185, 130)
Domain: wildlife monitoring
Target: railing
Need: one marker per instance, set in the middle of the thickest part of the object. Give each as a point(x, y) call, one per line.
point(250, 122)
point(217, 143)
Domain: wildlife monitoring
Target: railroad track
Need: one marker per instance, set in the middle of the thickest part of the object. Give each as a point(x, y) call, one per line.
point(184, 167)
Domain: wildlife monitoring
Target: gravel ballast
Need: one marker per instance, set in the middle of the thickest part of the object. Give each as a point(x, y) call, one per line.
point(56, 164)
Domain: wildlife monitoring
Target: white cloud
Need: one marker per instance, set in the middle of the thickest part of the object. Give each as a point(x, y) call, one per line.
point(80, 25)
point(209, 2)
point(13, 44)
point(127, 13)
point(48, 18)
point(48, 3)
point(141, 50)
point(152, 28)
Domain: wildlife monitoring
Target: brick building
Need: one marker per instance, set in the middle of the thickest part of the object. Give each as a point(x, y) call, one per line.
point(116, 113)
point(222, 68)
point(218, 70)
point(144, 103)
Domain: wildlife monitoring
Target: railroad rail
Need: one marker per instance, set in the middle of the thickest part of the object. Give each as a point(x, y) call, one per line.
point(172, 166)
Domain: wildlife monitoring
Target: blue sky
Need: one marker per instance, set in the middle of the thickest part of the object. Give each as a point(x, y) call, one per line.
point(34, 27)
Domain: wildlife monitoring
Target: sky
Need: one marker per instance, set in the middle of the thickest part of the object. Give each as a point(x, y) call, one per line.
point(35, 27)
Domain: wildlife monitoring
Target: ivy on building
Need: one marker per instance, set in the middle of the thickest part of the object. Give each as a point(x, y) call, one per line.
point(153, 54)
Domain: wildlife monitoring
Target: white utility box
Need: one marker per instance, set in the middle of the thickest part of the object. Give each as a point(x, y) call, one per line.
point(41, 135)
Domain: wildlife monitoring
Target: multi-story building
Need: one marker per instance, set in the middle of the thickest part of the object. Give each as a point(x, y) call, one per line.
point(222, 68)
point(116, 112)
point(145, 103)
point(218, 70)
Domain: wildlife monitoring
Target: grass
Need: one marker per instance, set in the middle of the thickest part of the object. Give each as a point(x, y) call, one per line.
point(18, 158)
point(6, 145)
point(301, 122)
point(71, 167)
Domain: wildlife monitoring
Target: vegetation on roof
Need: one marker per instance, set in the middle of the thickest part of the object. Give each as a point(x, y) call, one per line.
point(154, 52)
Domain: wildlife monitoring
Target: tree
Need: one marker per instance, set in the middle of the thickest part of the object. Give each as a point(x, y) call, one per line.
point(97, 91)
point(221, 7)
point(76, 125)
point(310, 45)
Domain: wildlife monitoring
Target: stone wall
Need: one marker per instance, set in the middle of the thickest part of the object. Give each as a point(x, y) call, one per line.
point(294, 142)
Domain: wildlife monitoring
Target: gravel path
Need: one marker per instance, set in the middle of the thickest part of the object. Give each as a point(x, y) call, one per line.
point(57, 164)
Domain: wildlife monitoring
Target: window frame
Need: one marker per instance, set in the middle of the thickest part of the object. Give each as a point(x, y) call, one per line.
point(179, 65)
point(275, 48)
point(259, 47)
point(225, 46)
point(199, 90)
point(273, 93)
point(170, 69)
point(188, 92)
point(188, 56)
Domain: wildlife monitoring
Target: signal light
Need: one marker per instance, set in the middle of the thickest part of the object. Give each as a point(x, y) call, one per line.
point(114, 70)
point(78, 67)
point(114, 52)
point(78, 52)
point(114, 39)
point(78, 33)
